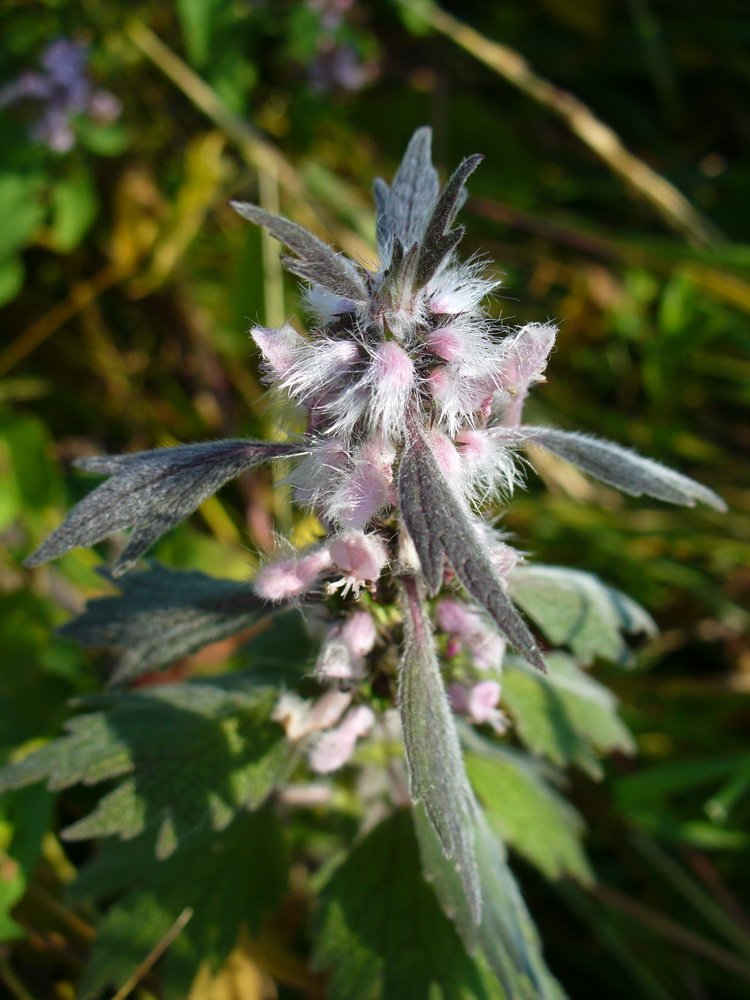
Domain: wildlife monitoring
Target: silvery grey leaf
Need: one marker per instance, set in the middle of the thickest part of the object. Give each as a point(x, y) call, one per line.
point(617, 466)
point(439, 240)
point(437, 778)
point(506, 935)
point(152, 491)
point(317, 262)
point(163, 615)
point(438, 524)
point(404, 209)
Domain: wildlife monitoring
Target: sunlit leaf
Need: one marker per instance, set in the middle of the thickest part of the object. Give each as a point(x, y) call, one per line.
point(152, 491)
point(564, 715)
point(577, 610)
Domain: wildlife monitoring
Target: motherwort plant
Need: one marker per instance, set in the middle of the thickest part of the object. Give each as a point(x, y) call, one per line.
point(412, 395)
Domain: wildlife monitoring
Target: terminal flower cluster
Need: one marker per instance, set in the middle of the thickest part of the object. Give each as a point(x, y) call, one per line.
point(412, 394)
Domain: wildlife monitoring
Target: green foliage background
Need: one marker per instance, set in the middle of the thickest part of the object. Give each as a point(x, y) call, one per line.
point(127, 287)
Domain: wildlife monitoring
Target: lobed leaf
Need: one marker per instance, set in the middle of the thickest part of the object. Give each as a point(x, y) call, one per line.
point(564, 715)
point(152, 491)
point(617, 466)
point(525, 810)
point(315, 261)
point(381, 932)
point(404, 209)
point(433, 753)
point(439, 240)
point(190, 756)
point(438, 525)
point(577, 610)
point(163, 615)
point(153, 894)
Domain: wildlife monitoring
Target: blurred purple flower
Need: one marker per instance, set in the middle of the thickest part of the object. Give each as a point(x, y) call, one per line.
point(62, 89)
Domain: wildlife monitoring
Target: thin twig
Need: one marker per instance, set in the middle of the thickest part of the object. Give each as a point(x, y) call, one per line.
point(11, 980)
point(153, 957)
point(81, 295)
point(671, 931)
point(670, 203)
point(253, 147)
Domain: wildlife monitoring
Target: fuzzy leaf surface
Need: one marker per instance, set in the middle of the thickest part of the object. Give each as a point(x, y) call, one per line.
point(506, 940)
point(577, 610)
point(249, 854)
point(565, 715)
point(163, 615)
point(404, 209)
point(439, 525)
point(151, 492)
point(189, 756)
point(315, 261)
point(381, 931)
point(617, 466)
point(439, 238)
point(437, 777)
point(525, 810)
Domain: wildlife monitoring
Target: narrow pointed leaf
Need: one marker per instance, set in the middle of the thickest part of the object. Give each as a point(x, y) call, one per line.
point(617, 466)
point(163, 615)
point(506, 937)
point(152, 491)
point(437, 777)
point(439, 241)
point(405, 208)
point(317, 261)
point(438, 523)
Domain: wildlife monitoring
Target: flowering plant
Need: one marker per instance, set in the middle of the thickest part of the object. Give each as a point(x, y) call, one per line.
point(413, 397)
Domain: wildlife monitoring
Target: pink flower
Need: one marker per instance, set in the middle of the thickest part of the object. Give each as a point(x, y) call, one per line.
point(290, 578)
point(334, 748)
point(479, 703)
point(361, 557)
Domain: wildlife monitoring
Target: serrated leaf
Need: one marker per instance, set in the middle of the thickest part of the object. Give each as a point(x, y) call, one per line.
point(404, 209)
point(577, 610)
point(506, 938)
point(164, 614)
point(617, 466)
point(433, 753)
point(152, 491)
point(316, 261)
point(234, 879)
point(525, 810)
point(380, 929)
point(190, 755)
point(565, 715)
point(439, 240)
point(439, 525)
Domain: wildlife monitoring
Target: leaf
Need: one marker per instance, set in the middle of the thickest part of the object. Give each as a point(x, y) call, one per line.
point(317, 261)
point(24, 822)
point(381, 932)
point(404, 209)
point(577, 610)
point(235, 879)
point(506, 939)
point(566, 715)
point(433, 754)
point(152, 491)
point(525, 811)
point(438, 524)
point(190, 756)
point(439, 239)
point(163, 615)
point(616, 466)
